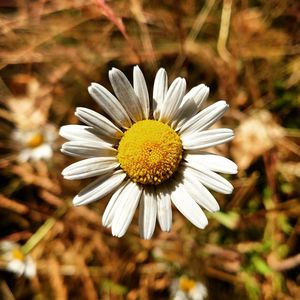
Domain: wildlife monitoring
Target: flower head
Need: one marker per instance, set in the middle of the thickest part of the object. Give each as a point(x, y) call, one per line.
point(149, 153)
point(186, 288)
point(14, 260)
point(33, 137)
point(35, 144)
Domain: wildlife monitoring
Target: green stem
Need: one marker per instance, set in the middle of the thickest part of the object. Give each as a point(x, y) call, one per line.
point(43, 230)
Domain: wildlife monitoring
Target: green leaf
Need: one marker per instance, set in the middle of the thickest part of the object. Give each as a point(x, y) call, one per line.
point(251, 285)
point(113, 288)
point(229, 219)
point(260, 265)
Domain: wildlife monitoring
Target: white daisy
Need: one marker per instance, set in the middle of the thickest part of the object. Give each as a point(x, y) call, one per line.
point(35, 144)
point(185, 288)
point(149, 154)
point(14, 260)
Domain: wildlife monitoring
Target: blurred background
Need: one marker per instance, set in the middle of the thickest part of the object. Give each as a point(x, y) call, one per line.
point(247, 52)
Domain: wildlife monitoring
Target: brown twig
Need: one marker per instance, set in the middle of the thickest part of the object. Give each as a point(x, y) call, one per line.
point(109, 14)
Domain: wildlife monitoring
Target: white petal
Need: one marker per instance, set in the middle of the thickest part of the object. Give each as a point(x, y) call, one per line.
point(7, 246)
point(188, 113)
point(172, 100)
point(164, 209)
point(213, 162)
point(207, 138)
point(140, 88)
point(199, 192)
point(50, 133)
point(125, 94)
point(113, 204)
point(24, 155)
point(88, 149)
point(90, 167)
point(183, 114)
point(16, 266)
point(126, 209)
point(209, 178)
point(79, 133)
point(30, 267)
point(43, 151)
point(97, 121)
point(160, 89)
point(188, 207)
point(110, 104)
point(147, 213)
point(99, 188)
point(205, 118)
point(198, 94)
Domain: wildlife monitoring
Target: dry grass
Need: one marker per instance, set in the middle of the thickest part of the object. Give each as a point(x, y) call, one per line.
point(248, 52)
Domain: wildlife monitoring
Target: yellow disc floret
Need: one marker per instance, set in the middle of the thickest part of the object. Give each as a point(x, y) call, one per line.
point(35, 140)
point(17, 254)
point(186, 284)
point(149, 152)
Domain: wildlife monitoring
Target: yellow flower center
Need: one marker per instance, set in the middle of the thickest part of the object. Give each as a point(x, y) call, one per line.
point(186, 284)
point(149, 152)
point(17, 254)
point(35, 140)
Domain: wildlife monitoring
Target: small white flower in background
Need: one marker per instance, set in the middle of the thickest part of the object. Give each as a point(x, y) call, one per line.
point(35, 144)
point(12, 259)
point(150, 153)
point(33, 136)
point(185, 288)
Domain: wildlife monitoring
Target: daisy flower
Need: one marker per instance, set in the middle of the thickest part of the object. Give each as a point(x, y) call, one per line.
point(185, 288)
point(14, 260)
point(149, 153)
point(33, 137)
point(35, 144)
